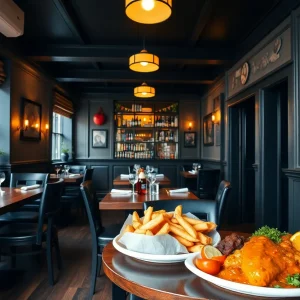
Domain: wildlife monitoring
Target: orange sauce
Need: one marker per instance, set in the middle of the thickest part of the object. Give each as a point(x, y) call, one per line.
point(261, 262)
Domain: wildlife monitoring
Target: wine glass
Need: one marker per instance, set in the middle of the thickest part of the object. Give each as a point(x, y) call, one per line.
point(57, 169)
point(195, 166)
point(136, 167)
point(133, 179)
point(2, 178)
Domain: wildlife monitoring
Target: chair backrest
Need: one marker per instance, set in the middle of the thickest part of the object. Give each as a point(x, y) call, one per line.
point(50, 205)
point(25, 179)
point(90, 202)
point(221, 198)
point(88, 174)
point(203, 209)
point(77, 169)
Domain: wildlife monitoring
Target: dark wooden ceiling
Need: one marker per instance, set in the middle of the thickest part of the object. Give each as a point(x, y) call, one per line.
point(86, 43)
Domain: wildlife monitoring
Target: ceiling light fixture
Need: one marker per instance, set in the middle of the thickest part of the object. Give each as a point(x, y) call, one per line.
point(148, 11)
point(144, 91)
point(144, 62)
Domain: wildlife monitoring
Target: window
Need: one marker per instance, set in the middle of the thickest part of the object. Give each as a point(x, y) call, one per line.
point(61, 134)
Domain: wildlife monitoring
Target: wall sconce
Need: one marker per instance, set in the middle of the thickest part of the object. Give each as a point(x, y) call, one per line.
point(190, 126)
point(26, 123)
point(47, 127)
point(215, 117)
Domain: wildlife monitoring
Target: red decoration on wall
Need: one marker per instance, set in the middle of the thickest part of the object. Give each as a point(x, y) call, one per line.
point(99, 117)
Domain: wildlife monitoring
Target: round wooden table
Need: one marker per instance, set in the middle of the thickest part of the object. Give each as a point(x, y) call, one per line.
point(160, 281)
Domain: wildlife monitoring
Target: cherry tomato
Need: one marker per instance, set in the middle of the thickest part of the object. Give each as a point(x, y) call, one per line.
point(221, 259)
point(208, 266)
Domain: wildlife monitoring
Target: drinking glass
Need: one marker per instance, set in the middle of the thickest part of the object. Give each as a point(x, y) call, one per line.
point(67, 168)
point(151, 178)
point(195, 166)
point(57, 169)
point(133, 179)
point(2, 178)
point(136, 167)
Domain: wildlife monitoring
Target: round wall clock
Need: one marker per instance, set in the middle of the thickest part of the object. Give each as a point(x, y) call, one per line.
point(244, 73)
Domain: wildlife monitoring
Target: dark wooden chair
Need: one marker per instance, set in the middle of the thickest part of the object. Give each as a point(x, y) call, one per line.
point(35, 234)
point(72, 197)
point(101, 236)
point(28, 212)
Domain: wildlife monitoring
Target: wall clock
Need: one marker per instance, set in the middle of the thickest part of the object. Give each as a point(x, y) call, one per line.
point(244, 73)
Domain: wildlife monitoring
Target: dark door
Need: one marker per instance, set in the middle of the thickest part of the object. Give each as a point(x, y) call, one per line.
point(242, 157)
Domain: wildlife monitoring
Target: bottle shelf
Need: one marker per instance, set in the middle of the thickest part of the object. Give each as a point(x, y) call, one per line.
point(146, 130)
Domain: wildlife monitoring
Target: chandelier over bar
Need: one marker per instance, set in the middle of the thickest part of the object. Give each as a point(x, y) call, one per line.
point(148, 11)
point(144, 91)
point(144, 62)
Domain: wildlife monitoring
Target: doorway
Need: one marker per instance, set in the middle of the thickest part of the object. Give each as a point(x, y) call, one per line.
point(274, 154)
point(242, 157)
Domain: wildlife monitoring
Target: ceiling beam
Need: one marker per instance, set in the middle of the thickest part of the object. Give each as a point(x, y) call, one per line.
point(69, 16)
point(189, 78)
point(115, 53)
point(202, 21)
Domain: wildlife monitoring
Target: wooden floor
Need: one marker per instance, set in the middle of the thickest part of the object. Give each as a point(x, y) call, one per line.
point(31, 281)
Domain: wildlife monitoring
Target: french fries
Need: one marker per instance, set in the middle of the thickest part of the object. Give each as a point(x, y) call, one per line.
point(191, 233)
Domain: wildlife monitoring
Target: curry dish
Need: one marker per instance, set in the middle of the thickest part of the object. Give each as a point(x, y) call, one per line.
point(261, 262)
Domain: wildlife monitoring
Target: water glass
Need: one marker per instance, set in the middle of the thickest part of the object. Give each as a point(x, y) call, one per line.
point(67, 168)
point(2, 178)
point(57, 169)
point(195, 166)
point(136, 167)
point(154, 188)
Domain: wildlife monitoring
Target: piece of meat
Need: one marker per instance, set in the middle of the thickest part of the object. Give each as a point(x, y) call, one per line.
point(230, 243)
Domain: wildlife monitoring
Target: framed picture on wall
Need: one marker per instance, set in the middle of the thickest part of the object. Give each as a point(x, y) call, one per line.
point(31, 113)
point(189, 139)
point(208, 130)
point(99, 138)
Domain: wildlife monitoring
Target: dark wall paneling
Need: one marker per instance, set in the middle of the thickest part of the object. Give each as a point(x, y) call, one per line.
point(101, 177)
point(171, 171)
point(32, 167)
point(107, 106)
point(296, 57)
point(189, 112)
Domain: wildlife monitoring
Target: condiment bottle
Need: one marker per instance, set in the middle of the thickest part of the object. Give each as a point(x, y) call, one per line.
point(143, 183)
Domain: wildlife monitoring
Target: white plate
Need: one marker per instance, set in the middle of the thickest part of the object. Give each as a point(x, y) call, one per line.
point(239, 287)
point(163, 259)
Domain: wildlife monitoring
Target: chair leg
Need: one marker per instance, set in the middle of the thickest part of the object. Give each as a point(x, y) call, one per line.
point(93, 273)
point(49, 256)
point(99, 264)
point(117, 293)
point(57, 251)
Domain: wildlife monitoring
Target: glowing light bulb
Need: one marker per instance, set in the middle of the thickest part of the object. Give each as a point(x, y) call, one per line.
point(144, 93)
point(144, 63)
point(148, 4)
point(26, 123)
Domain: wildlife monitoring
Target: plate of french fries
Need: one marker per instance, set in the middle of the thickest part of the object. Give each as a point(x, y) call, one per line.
point(165, 237)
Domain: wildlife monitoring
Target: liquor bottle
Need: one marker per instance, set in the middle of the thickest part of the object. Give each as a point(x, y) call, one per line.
point(139, 122)
point(167, 136)
point(172, 121)
point(132, 122)
point(171, 137)
point(142, 187)
point(175, 121)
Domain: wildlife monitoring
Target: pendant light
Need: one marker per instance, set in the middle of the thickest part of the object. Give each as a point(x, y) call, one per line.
point(144, 61)
point(144, 91)
point(148, 11)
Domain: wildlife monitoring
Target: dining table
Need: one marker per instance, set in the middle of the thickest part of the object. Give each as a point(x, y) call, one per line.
point(163, 181)
point(12, 198)
point(71, 178)
point(118, 201)
point(162, 281)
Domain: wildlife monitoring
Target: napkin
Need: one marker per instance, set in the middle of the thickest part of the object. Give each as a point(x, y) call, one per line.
point(183, 190)
point(193, 172)
point(160, 175)
point(73, 175)
point(116, 191)
point(30, 187)
point(124, 176)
